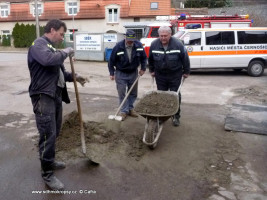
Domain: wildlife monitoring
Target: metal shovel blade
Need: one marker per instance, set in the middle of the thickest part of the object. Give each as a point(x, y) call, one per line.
point(118, 118)
point(111, 117)
point(92, 162)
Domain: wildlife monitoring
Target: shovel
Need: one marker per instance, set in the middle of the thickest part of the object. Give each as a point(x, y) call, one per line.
point(119, 118)
point(80, 112)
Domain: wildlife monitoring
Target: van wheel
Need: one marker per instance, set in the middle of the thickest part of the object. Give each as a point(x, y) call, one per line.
point(255, 68)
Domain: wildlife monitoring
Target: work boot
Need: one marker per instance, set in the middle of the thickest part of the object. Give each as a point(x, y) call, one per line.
point(175, 121)
point(123, 116)
point(51, 181)
point(58, 165)
point(132, 113)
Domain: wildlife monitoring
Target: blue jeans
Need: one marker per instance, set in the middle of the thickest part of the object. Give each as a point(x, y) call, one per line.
point(124, 82)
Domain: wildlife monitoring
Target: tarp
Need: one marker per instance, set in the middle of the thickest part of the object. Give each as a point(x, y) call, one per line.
point(247, 118)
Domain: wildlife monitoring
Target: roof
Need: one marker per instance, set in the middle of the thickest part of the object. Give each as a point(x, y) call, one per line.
point(89, 9)
point(141, 8)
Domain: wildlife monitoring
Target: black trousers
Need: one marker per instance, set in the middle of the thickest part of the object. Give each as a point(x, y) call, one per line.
point(170, 82)
point(48, 116)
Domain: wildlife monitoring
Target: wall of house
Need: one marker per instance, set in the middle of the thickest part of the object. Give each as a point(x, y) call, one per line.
point(91, 26)
point(96, 25)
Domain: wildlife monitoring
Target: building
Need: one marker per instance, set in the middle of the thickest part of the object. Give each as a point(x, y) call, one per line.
point(102, 16)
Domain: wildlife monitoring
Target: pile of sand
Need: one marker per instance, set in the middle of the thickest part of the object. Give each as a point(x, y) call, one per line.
point(100, 142)
point(158, 103)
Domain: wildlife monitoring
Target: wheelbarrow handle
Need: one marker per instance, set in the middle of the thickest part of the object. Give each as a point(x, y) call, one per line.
point(182, 81)
point(152, 83)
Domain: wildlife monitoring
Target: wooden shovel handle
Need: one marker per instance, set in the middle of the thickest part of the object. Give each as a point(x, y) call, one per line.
point(78, 105)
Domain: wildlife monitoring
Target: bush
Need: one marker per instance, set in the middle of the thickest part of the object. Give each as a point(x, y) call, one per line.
point(207, 3)
point(6, 40)
point(24, 35)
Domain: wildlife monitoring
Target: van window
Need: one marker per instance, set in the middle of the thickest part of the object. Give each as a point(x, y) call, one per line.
point(146, 32)
point(154, 32)
point(220, 38)
point(252, 37)
point(192, 38)
point(178, 34)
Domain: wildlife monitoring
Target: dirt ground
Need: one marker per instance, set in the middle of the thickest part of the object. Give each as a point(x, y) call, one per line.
point(203, 154)
point(198, 160)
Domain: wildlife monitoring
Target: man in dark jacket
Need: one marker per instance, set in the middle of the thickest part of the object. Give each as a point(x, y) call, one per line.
point(47, 91)
point(168, 63)
point(124, 60)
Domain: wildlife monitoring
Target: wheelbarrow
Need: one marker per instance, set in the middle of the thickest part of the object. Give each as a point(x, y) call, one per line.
point(157, 107)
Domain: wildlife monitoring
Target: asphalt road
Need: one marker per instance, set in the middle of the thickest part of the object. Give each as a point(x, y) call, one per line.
point(198, 160)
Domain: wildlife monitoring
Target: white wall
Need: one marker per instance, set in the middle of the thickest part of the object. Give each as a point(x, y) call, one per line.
point(88, 25)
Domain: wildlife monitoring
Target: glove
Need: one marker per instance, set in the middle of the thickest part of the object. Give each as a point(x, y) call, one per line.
point(82, 80)
point(69, 51)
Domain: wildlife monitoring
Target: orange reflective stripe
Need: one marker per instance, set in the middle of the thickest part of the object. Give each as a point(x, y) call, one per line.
point(209, 53)
point(252, 52)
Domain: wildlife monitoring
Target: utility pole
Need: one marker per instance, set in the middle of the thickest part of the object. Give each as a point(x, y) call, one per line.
point(73, 24)
point(37, 19)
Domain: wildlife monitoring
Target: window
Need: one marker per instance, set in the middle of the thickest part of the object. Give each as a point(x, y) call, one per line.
point(5, 32)
point(252, 37)
point(137, 19)
point(154, 32)
point(220, 38)
point(113, 15)
point(146, 32)
point(4, 10)
point(138, 32)
point(192, 38)
point(179, 34)
point(154, 5)
point(40, 8)
point(71, 32)
point(72, 8)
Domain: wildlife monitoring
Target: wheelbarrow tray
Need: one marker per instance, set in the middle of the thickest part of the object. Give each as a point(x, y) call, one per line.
point(158, 104)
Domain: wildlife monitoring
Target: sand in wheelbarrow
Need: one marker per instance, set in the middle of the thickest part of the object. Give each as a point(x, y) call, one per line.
point(101, 143)
point(157, 103)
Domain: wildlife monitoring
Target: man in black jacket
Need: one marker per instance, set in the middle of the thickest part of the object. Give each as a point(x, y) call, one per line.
point(168, 63)
point(124, 60)
point(47, 91)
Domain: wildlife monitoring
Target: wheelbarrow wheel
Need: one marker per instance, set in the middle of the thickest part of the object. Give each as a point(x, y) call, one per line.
point(152, 131)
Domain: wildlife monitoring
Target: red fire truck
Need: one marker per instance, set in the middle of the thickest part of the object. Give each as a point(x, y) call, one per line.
point(184, 21)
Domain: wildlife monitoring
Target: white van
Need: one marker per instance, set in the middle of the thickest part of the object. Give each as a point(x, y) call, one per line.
point(227, 48)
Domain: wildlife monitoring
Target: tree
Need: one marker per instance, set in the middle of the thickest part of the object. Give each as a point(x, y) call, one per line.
point(207, 3)
point(15, 34)
point(24, 35)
